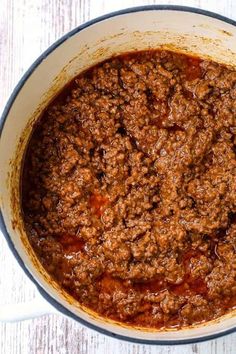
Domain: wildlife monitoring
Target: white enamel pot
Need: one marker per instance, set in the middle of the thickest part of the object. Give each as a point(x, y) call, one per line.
point(178, 28)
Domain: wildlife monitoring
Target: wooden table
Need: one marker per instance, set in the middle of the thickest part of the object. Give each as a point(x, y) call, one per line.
point(27, 27)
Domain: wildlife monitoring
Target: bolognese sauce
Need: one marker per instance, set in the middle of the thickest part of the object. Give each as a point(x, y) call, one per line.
point(129, 189)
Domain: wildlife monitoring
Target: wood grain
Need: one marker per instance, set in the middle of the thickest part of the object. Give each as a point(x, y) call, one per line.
point(27, 27)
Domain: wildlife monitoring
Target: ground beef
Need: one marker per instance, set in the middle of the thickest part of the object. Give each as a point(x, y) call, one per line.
point(129, 189)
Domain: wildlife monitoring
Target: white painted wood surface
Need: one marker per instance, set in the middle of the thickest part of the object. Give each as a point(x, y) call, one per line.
point(27, 27)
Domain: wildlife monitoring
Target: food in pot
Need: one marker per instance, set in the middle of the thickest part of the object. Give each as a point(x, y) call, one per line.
point(129, 189)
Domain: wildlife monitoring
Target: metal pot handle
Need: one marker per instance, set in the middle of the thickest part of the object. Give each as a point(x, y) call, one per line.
point(24, 311)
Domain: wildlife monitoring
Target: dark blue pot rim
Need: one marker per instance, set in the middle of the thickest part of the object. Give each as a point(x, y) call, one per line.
point(3, 118)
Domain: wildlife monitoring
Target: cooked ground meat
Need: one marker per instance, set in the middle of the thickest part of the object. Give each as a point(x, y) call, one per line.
point(129, 189)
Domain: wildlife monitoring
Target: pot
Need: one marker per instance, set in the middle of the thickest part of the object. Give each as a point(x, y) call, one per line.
point(170, 27)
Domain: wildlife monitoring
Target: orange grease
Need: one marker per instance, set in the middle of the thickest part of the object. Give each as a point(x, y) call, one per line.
point(192, 69)
point(71, 243)
point(97, 203)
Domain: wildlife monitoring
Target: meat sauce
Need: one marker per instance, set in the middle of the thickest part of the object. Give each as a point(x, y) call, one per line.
point(129, 189)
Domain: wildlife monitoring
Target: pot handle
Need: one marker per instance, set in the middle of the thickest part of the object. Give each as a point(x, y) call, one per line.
point(24, 311)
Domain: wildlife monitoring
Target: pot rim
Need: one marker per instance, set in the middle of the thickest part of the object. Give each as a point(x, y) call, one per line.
point(3, 119)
